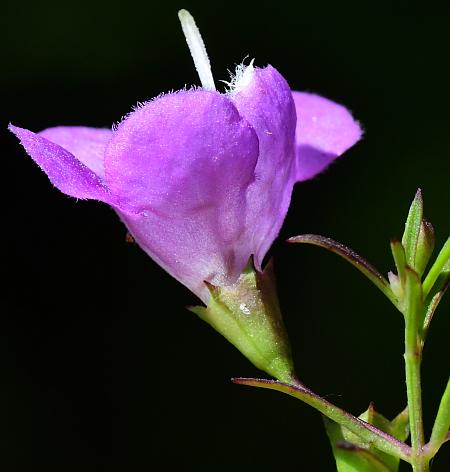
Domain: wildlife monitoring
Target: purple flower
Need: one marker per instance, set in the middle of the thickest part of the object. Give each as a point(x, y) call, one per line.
point(202, 180)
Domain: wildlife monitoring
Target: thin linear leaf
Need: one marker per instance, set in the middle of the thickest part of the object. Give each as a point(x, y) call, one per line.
point(441, 285)
point(441, 264)
point(440, 432)
point(350, 256)
point(379, 439)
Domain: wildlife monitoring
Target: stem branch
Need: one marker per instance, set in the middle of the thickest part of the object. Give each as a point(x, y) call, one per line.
point(413, 360)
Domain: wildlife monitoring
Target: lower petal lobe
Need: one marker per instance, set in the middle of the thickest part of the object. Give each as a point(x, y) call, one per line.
point(63, 169)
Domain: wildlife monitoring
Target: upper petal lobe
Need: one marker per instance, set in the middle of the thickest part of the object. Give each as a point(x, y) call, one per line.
point(184, 162)
point(324, 131)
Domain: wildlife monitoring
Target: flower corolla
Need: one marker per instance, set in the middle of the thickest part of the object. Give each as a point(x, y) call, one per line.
point(201, 179)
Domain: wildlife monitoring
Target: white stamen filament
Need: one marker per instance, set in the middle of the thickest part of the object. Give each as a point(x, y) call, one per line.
point(197, 48)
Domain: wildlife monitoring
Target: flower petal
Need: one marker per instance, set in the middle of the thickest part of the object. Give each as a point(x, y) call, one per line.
point(325, 130)
point(66, 172)
point(184, 161)
point(86, 144)
point(266, 102)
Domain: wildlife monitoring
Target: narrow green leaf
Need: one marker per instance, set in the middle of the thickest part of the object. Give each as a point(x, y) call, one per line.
point(435, 296)
point(412, 228)
point(367, 432)
point(441, 264)
point(440, 432)
point(350, 256)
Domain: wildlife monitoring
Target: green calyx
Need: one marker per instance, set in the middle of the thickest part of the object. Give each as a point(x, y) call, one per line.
point(247, 314)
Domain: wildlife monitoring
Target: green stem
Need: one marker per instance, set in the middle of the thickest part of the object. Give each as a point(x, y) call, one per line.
point(381, 440)
point(413, 360)
point(414, 393)
point(441, 426)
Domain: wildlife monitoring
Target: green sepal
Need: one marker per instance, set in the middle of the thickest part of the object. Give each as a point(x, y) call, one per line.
point(354, 454)
point(247, 314)
point(425, 246)
point(412, 228)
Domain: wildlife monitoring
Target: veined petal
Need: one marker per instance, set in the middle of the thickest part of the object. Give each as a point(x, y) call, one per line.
point(325, 130)
point(184, 162)
point(266, 102)
point(66, 172)
point(86, 144)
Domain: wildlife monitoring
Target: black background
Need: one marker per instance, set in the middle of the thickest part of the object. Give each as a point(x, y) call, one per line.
point(102, 368)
